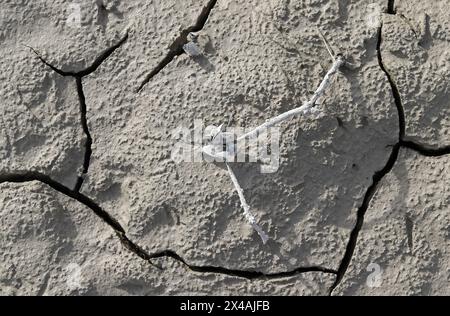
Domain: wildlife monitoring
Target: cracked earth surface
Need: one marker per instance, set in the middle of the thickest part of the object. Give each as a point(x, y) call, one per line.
point(86, 175)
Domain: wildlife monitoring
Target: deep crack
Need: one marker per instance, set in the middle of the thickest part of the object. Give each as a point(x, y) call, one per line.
point(350, 250)
point(176, 48)
point(379, 175)
point(246, 274)
point(104, 56)
point(82, 99)
point(89, 141)
point(426, 150)
point(90, 69)
point(55, 185)
point(81, 198)
point(139, 251)
point(394, 88)
point(391, 7)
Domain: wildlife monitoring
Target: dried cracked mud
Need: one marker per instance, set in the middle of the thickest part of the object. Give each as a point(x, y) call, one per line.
point(92, 203)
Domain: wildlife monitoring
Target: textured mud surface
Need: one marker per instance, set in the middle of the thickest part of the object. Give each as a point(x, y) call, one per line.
point(92, 203)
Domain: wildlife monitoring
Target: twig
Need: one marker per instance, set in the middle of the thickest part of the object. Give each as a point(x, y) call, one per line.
point(327, 45)
point(250, 218)
point(305, 109)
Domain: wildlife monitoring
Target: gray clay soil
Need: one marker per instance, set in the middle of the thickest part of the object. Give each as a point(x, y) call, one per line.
point(91, 201)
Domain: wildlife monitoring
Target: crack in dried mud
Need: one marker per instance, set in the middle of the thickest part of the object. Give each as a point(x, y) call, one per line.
point(391, 7)
point(90, 69)
point(246, 274)
point(351, 246)
point(89, 141)
point(176, 48)
point(379, 175)
point(55, 185)
point(82, 99)
point(426, 150)
point(136, 249)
